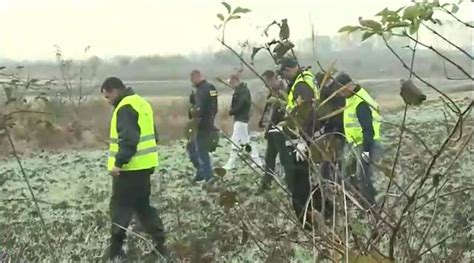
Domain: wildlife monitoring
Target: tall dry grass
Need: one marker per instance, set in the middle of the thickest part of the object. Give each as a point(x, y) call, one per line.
point(56, 130)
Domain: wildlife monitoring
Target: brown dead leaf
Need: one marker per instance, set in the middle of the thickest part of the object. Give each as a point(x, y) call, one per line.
point(227, 199)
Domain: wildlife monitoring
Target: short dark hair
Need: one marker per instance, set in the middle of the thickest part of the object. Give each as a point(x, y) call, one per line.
point(269, 74)
point(319, 76)
point(195, 72)
point(343, 78)
point(288, 62)
point(112, 83)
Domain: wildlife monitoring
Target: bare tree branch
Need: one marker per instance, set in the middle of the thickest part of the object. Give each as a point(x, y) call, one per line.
point(448, 41)
point(441, 55)
point(457, 19)
point(419, 78)
point(30, 189)
point(442, 240)
point(426, 175)
point(445, 70)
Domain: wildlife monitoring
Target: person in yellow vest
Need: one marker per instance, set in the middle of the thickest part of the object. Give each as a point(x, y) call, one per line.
point(361, 120)
point(132, 159)
point(302, 90)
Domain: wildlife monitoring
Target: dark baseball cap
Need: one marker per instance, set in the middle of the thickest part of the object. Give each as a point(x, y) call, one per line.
point(343, 78)
point(288, 62)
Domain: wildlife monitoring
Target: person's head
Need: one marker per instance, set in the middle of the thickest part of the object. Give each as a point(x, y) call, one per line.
point(345, 80)
point(234, 81)
point(196, 77)
point(319, 76)
point(289, 68)
point(112, 89)
point(271, 79)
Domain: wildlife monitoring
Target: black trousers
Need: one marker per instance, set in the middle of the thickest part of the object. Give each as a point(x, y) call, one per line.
point(276, 146)
point(131, 195)
point(296, 178)
point(301, 189)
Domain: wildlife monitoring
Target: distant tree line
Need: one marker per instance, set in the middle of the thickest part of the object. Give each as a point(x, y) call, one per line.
point(363, 60)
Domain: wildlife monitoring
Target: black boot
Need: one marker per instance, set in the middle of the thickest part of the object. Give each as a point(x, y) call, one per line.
point(163, 250)
point(160, 247)
point(265, 183)
point(116, 251)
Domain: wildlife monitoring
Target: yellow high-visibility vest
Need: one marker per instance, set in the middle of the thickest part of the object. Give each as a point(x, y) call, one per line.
point(307, 77)
point(146, 156)
point(352, 128)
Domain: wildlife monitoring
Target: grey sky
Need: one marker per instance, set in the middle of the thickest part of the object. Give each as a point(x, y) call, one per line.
point(31, 28)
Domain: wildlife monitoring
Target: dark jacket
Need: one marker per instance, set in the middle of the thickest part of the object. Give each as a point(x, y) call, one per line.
point(192, 105)
point(241, 103)
point(335, 123)
point(306, 93)
point(273, 112)
point(364, 115)
point(128, 131)
point(206, 103)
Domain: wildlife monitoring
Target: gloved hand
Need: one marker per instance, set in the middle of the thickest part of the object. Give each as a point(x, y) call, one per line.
point(366, 156)
point(301, 151)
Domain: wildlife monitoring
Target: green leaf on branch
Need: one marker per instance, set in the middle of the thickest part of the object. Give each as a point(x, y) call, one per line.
point(221, 17)
point(399, 9)
point(367, 35)
point(372, 24)
point(427, 15)
point(384, 12)
point(233, 17)
point(227, 6)
point(241, 10)
point(398, 24)
point(455, 9)
point(414, 27)
point(349, 29)
point(391, 19)
point(411, 13)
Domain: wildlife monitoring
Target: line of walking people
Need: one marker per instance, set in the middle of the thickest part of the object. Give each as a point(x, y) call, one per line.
point(133, 140)
point(355, 131)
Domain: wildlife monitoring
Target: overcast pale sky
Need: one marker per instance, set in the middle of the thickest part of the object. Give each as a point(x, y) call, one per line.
point(31, 28)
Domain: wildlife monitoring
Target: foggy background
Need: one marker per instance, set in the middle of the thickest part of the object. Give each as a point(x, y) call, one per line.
point(153, 45)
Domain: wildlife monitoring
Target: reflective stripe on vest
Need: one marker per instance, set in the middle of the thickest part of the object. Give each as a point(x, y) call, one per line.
point(146, 156)
point(352, 128)
point(307, 77)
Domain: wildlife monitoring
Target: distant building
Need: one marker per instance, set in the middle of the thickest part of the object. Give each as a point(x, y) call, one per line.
point(321, 43)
